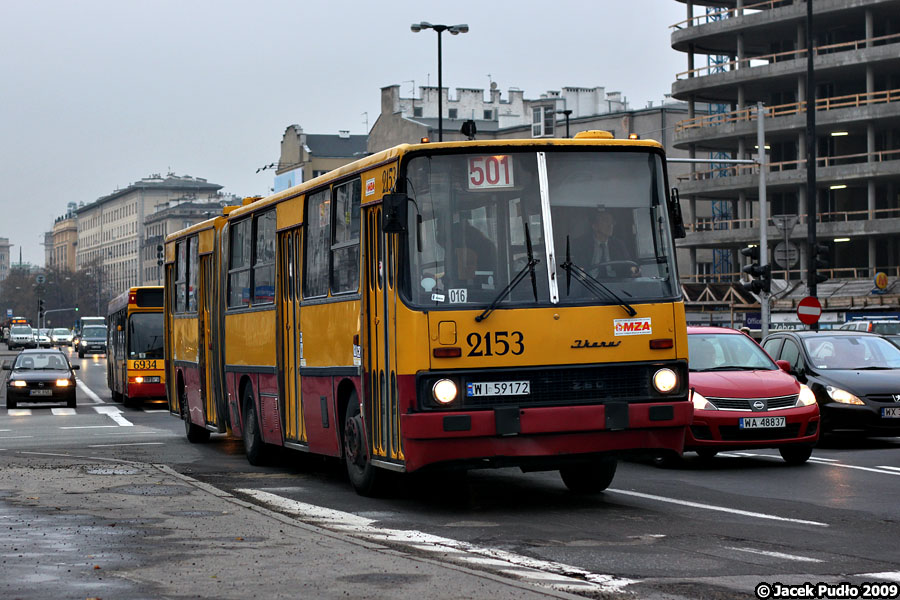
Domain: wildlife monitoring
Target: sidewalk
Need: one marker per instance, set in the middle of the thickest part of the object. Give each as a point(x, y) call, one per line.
point(86, 528)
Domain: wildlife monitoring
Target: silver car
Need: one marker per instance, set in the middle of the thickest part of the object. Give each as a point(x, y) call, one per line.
point(61, 337)
point(21, 336)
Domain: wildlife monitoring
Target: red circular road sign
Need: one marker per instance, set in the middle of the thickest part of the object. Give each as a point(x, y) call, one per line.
point(809, 310)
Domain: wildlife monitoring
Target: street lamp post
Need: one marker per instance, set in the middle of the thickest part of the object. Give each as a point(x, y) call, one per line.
point(566, 112)
point(454, 30)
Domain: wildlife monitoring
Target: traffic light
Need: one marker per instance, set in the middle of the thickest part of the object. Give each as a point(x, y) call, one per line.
point(160, 257)
point(762, 274)
point(821, 254)
point(41, 308)
point(76, 309)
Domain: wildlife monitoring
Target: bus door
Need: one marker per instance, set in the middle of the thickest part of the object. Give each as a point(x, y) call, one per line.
point(290, 338)
point(207, 391)
point(382, 413)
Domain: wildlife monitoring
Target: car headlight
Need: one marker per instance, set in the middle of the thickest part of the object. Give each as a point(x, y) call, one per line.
point(63, 383)
point(806, 396)
point(444, 391)
point(665, 380)
point(701, 403)
point(18, 383)
point(843, 396)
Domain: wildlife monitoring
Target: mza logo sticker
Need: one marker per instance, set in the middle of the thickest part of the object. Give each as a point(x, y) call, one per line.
point(633, 326)
point(370, 187)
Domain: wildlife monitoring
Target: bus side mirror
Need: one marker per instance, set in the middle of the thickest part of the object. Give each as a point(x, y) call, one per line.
point(675, 219)
point(395, 213)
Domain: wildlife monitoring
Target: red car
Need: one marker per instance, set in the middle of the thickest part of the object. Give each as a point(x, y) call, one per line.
point(743, 399)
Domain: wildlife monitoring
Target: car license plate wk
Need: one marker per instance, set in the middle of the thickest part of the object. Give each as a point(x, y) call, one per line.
point(41, 393)
point(499, 388)
point(762, 422)
point(891, 413)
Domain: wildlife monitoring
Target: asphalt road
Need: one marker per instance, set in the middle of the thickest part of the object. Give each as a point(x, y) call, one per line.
point(706, 529)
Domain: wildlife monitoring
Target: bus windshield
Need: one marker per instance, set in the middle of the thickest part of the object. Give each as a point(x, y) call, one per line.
point(562, 227)
point(145, 336)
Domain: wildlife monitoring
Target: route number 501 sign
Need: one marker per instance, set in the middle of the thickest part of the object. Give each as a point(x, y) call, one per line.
point(490, 172)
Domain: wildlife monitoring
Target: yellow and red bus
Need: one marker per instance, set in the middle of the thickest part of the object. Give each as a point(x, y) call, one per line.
point(439, 306)
point(134, 349)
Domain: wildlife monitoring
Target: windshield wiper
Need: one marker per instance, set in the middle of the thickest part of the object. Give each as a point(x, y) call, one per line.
point(732, 368)
point(529, 267)
point(591, 283)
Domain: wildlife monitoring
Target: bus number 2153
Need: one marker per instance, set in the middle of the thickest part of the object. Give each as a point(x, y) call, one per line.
point(496, 343)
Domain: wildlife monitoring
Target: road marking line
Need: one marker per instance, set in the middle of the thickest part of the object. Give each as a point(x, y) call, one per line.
point(15, 437)
point(776, 554)
point(870, 469)
point(889, 575)
point(89, 427)
point(63, 411)
point(90, 393)
point(131, 444)
point(718, 508)
point(114, 413)
point(824, 460)
point(879, 466)
point(18, 412)
point(557, 576)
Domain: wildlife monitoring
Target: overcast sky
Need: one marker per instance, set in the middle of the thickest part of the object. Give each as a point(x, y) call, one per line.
point(95, 95)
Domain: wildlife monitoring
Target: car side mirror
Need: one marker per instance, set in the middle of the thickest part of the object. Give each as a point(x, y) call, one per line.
point(76, 367)
point(784, 365)
point(7, 367)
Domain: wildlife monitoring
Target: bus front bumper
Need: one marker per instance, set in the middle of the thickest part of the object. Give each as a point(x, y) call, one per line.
point(525, 433)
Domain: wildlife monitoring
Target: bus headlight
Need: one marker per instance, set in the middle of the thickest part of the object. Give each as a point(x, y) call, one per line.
point(665, 380)
point(444, 391)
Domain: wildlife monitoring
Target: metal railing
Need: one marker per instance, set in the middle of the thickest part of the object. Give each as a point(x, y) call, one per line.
point(822, 104)
point(775, 57)
point(792, 165)
point(795, 274)
point(732, 12)
point(707, 224)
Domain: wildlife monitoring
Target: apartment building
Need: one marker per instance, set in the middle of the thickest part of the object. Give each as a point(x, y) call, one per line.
point(739, 53)
point(111, 229)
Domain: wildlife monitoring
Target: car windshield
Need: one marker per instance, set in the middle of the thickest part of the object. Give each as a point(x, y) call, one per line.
point(20, 331)
point(726, 352)
point(145, 336)
point(60, 331)
point(43, 360)
point(852, 352)
point(94, 332)
point(563, 221)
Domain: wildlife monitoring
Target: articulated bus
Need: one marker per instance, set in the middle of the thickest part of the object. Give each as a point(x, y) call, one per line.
point(441, 305)
point(135, 345)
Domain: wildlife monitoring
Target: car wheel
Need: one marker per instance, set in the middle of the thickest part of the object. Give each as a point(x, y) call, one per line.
point(366, 479)
point(589, 478)
point(80, 354)
point(706, 453)
point(795, 455)
point(195, 434)
point(254, 446)
point(10, 403)
point(71, 402)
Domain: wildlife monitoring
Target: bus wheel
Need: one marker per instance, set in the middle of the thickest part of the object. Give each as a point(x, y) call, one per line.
point(591, 477)
point(366, 479)
point(195, 434)
point(254, 446)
